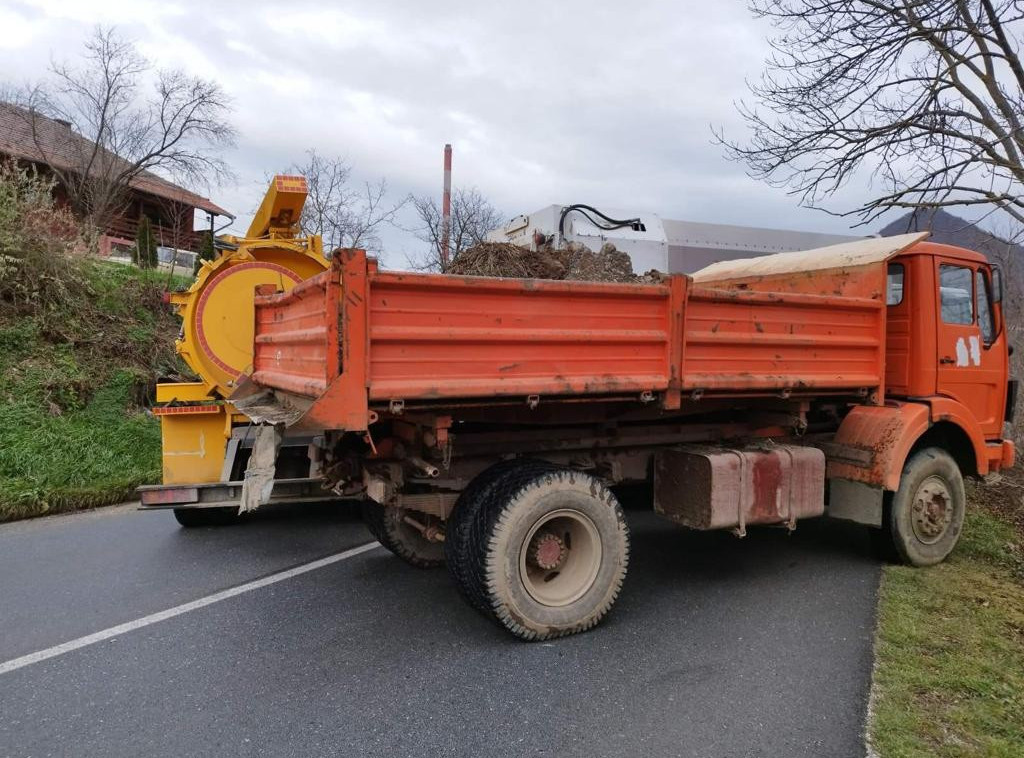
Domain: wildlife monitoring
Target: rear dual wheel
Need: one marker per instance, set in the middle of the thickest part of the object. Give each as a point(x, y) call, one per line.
point(468, 574)
point(396, 529)
point(545, 551)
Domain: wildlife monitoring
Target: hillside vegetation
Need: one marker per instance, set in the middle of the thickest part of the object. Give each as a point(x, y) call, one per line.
point(82, 343)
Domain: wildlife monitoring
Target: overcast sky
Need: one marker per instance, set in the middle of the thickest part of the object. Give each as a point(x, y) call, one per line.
point(604, 103)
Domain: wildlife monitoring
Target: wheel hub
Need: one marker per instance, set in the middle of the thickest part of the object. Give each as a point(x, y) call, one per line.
point(560, 557)
point(932, 510)
point(547, 551)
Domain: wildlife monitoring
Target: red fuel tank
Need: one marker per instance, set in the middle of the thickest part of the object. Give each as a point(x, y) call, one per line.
point(716, 488)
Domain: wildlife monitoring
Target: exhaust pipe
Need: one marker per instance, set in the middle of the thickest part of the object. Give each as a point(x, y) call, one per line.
point(426, 469)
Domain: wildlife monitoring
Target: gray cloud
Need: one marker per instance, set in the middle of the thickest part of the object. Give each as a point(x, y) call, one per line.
point(570, 102)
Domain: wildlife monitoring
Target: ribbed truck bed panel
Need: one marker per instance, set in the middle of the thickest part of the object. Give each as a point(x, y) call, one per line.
point(756, 340)
point(439, 337)
point(409, 337)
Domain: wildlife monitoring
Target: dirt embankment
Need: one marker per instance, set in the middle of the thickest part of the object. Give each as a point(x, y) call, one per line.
point(1003, 494)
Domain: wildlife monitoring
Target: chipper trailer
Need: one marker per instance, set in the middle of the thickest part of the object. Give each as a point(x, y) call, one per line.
point(483, 421)
point(205, 441)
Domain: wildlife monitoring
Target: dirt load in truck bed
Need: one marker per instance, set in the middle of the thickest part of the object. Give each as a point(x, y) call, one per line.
point(574, 262)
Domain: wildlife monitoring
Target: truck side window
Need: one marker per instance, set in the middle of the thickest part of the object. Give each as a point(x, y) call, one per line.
point(894, 284)
point(956, 294)
point(985, 321)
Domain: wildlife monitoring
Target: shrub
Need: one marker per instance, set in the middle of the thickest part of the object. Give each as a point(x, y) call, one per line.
point(36, 237)
point(207, 251)
point(145, 245)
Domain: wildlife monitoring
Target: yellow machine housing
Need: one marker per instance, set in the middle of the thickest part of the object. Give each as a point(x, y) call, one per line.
point(217, 332)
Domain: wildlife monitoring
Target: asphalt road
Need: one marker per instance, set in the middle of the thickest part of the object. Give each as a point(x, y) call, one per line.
point(717, 647)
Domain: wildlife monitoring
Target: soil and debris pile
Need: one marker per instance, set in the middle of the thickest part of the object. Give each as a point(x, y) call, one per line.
point(575, 262)
point(504, 259)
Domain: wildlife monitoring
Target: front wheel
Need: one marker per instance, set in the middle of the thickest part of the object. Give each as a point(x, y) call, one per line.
point(554, 547)
point(926, 514)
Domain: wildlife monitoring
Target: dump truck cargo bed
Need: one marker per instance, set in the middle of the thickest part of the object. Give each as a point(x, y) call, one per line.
point(356, 338)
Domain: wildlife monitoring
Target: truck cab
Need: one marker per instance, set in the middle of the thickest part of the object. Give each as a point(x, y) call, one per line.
point(946, 335)
point(948, 401)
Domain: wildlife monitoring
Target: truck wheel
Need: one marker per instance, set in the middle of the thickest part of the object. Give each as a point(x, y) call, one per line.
point(457, 534)
point(553, 547)
point(927, 511)
point(388, 526)
point(191, 518)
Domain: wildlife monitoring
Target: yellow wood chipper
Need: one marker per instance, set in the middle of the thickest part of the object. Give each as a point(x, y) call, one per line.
point(206, 442)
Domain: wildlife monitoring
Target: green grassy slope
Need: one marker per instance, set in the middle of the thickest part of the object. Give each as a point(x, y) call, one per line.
point(75, 377)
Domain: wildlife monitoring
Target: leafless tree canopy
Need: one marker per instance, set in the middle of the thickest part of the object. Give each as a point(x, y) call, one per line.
point(926, 95)
point(473, 217)
point(345, 216)
point(134, 119)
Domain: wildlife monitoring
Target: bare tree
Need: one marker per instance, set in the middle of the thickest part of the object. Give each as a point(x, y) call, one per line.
point(328, 195)
point(122, 118)
point(345, 216)
point(926, 95)
point(174, 231)
point(472, 218)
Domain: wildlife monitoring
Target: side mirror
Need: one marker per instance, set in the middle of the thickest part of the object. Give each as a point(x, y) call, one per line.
point(997, 284)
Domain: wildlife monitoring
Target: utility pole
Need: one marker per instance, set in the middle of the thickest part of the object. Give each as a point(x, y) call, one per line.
point(446, 209)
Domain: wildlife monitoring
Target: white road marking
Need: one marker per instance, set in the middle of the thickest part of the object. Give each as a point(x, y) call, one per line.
point(114, 631)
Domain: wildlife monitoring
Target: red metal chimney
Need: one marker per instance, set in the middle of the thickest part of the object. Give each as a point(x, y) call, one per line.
point(446, 209)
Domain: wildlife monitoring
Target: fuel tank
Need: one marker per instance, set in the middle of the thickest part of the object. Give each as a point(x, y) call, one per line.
point(729, 488)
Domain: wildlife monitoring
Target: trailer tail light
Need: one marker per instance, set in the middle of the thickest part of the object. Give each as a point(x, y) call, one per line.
point(716, 488)
point(168, 495)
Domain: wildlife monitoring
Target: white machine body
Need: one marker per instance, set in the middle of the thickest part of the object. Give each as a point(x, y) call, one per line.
point(666, 245)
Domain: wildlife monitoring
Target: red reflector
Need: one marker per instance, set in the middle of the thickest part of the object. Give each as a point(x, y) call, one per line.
point(169, 495)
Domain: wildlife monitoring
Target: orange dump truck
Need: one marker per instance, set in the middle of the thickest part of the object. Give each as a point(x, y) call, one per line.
point(485, 421)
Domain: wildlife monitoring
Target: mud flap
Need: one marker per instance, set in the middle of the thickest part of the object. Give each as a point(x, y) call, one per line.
point(855, 501)
point(258, 484)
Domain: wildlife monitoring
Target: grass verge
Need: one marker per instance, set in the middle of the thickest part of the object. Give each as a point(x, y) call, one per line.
point(74, 384)
point(949, 668)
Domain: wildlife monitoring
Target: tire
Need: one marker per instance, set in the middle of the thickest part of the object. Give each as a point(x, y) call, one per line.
point(192, 518)
point(461, 567)
point(926, 515)
point(387, 526)
point(552, 548)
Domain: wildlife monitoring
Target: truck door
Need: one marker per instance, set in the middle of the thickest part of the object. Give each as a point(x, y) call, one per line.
point(970, 342)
